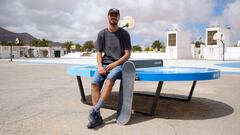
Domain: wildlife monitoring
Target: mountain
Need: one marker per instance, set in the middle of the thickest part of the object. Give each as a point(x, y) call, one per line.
point(9, 36)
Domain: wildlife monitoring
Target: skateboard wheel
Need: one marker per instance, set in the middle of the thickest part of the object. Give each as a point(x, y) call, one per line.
point(136, 77)
point(132, 112)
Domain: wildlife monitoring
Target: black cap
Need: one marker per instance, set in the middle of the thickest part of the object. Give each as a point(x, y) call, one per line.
point(113, 11)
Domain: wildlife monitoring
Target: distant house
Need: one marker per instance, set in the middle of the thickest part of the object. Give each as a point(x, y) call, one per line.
point(214, 48)
point(5, 52)
point(178, 44)
point(31, 52)
point(8, 37)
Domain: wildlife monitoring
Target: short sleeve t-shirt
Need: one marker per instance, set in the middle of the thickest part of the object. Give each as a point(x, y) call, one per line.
point(113, 44)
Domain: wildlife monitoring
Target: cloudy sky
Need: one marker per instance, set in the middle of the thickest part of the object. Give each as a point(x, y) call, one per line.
point(81, 20)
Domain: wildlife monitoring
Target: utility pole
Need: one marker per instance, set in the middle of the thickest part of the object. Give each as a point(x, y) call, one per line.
point(11, 44)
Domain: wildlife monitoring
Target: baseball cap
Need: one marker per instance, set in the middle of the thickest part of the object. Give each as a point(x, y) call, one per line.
point(113, 11)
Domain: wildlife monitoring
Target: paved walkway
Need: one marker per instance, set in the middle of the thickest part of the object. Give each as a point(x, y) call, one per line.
point(41, 99)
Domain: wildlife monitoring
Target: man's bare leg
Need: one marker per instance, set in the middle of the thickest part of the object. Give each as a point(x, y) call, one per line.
point(95, 93)
point(95, 118)
point(107, 89)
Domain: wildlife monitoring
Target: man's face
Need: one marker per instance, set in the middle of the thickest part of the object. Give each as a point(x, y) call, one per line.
point(113, 19)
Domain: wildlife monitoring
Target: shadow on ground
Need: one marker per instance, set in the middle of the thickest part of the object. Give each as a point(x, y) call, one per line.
point(197, 109)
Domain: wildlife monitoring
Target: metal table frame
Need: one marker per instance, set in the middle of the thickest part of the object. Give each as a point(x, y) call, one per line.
point(156, 96)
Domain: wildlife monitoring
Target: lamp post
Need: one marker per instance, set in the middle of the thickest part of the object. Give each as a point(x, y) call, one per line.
point(11, 49)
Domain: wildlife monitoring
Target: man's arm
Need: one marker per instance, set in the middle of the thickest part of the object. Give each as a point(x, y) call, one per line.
point(101, 70)
point(124, 58)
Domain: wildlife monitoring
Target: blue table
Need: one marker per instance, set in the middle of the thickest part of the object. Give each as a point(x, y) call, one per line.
point(159, 74)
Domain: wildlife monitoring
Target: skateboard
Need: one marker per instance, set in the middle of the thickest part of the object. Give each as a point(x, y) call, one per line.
point(124, 110)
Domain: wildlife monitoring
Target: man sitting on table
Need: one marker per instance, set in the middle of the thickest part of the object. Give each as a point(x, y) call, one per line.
point(115, 44)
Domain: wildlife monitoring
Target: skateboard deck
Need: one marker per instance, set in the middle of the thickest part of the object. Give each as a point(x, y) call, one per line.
point(126, 93)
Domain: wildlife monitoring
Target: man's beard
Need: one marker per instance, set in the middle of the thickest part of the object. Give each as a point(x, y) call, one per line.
point(114, 22)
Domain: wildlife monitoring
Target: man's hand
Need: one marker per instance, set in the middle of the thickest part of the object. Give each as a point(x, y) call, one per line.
point(101, 70)
point(110, 67)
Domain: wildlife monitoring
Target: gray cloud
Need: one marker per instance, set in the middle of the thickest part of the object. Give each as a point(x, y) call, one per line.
point(79, 21)
point(229, 18)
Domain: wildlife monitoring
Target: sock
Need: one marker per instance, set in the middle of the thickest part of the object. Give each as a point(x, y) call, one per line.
point(99, 104)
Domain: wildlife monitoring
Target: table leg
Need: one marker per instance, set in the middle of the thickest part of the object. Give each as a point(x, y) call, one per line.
point(157, 95)
point(182, 99)
point(192, 89)
point(81, 90)
point(155, 100)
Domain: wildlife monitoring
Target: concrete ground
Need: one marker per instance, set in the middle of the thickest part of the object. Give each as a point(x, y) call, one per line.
point(41, 99)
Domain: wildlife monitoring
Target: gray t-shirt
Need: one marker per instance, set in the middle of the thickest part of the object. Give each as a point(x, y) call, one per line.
point(113, 44)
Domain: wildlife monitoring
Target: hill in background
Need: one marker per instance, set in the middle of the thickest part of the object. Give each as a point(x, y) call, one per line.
point(6, 35)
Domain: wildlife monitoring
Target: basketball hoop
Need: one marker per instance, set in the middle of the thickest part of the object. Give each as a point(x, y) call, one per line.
point(127, 22)
point(218, 36)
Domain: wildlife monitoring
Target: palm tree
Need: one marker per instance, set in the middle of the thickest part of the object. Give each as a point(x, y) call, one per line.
point(148, 49)
point(68, 45)
point(44, 42)
point(21, 42)
point(89, 45)
point(79, 48)
point(157, 45)
point(36, 42)
point(4, 43)
point(198, 43)
point(136, 48)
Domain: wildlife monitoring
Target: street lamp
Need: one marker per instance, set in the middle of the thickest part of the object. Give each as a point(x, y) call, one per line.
point(17, 41)
point(219, 36)
point(11, 52)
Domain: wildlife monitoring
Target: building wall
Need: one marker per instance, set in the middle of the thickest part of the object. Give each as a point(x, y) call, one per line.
point(171, 51)
point(28, 51)
point(184, 45)
point(53, 49)
point(232, 53)
point(215, 52)
point(196, 52)
point(183, 49)
point(212, 53)
point(6, 50)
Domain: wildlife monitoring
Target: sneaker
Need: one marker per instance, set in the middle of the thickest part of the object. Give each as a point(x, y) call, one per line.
point(95, 119)
point(98, 122)
point(93, 115)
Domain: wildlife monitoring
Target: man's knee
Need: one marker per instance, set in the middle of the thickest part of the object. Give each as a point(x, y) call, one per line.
point(95, 87)
point(109, 83)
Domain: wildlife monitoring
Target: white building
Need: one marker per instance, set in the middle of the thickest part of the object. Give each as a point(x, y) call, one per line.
point(178, 45)
point(56, 51)
point(214, 48)
point(29, 51)
point(5, 52)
